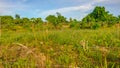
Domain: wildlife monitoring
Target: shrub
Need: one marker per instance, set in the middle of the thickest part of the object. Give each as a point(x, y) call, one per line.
point(96, 26)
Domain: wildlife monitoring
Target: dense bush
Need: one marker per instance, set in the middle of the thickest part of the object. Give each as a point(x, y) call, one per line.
point(96, 26)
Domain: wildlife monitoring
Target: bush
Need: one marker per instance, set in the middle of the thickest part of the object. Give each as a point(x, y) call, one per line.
point(96, 26)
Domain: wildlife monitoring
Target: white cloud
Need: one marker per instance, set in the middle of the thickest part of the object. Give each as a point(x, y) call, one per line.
point(99, 1)
point(68, 9)
point(77, 12)
point(5, 12)
point(4, 4)
point(8, 8)
point(112, 2)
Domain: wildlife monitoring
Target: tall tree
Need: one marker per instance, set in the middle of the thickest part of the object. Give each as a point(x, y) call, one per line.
point(17, 16)
point(118, 18)
point(39, 20)
point(99, 14)
point(17, 19)
point(52, 19)
point(60, 18)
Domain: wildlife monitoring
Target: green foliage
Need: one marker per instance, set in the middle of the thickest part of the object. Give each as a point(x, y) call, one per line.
point(6, 21)
point(99, 14)
point(74, 23)
point(25, 20)
point(56, 20)
point(39, 20)
point(63, 59)
point(88, 18)
point(36, 20)
point(60, 18)
point(96, 26)
point(17, 16)
point(62, 47)
point(17, 20)
point(52, 19)
point(39, 43)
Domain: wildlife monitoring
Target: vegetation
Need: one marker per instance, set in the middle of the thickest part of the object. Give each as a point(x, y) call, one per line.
point(93, 42)
point(100, 17)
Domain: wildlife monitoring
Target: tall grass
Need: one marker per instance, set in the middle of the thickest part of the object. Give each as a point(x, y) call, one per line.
point(61, 48)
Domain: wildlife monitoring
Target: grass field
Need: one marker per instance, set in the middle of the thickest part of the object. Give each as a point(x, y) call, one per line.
point(69, 48)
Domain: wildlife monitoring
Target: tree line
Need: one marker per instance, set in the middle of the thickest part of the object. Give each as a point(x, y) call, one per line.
point(99, 17)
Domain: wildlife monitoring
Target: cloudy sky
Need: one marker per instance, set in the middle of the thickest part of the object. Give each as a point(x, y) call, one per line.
point(69, 8)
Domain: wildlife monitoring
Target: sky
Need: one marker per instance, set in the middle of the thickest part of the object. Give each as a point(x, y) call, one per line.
point(69, 8)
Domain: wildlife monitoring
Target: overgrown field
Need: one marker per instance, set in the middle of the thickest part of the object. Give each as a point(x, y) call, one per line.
point(69, 48)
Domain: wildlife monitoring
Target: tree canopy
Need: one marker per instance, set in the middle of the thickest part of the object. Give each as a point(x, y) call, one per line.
point(97, 18)
point(55, 20)
point(99, 14)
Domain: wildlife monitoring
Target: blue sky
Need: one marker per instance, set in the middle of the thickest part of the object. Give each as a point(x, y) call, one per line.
point(69, 8)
